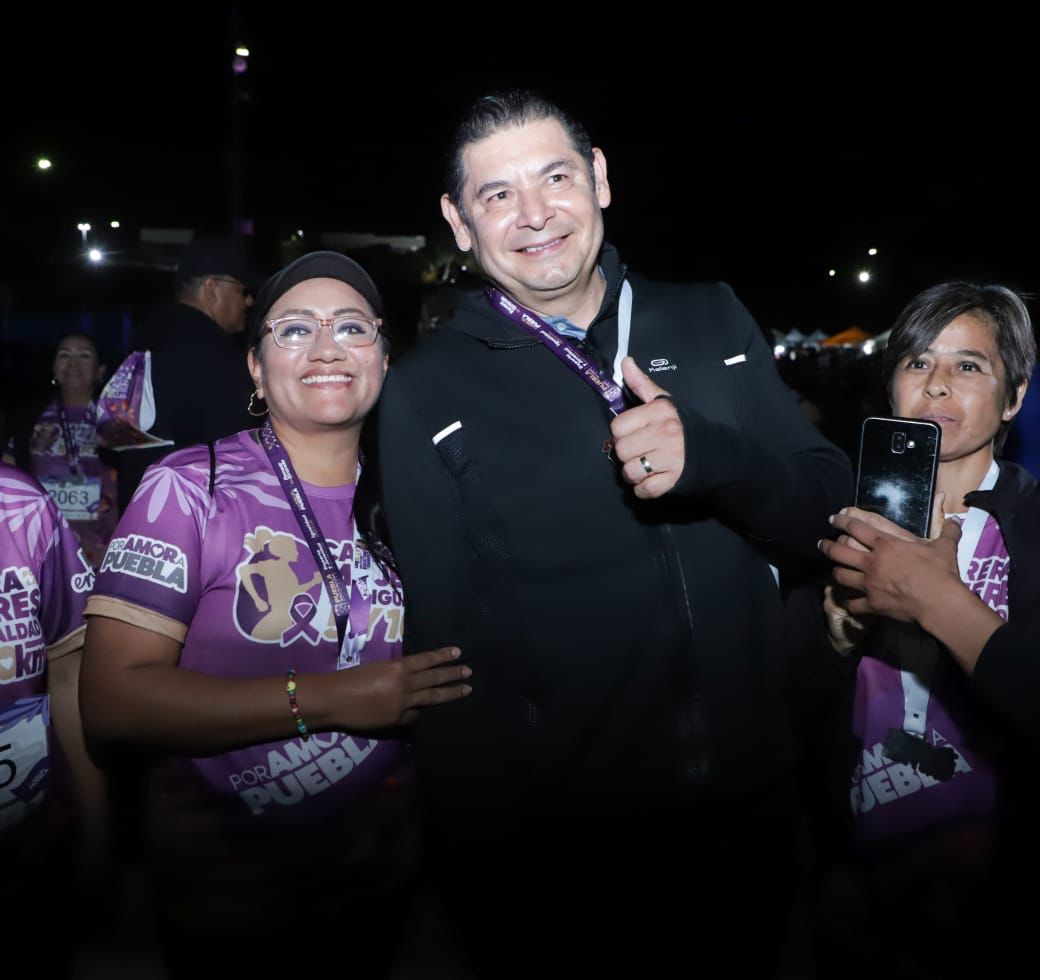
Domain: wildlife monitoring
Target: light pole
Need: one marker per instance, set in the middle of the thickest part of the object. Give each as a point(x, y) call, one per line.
point(239, 66)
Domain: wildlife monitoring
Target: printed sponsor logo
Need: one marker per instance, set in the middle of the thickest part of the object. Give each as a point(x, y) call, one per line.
point(277, 601)
point(85, 434)
point(300, 769)
point(661, 364)
point(83, 581)
point(22, 650)
point(119, 385)
point(149, 559)
point(878, 781)
point(989, 581)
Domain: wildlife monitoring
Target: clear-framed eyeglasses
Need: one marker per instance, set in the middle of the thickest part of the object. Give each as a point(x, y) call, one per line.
point(301, 332)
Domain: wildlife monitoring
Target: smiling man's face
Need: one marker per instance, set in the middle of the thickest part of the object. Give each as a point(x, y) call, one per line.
point(533, 215)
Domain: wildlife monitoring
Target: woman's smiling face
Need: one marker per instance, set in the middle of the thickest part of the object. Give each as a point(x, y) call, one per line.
point(76, 366)
point(323, 386)
point(960, 383)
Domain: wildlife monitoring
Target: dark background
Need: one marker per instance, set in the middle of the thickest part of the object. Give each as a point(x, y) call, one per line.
point(730, 157)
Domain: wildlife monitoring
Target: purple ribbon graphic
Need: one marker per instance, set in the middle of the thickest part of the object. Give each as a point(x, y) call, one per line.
point(301, 611)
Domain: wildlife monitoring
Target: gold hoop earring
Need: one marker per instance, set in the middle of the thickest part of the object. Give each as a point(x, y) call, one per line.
point(250, 408)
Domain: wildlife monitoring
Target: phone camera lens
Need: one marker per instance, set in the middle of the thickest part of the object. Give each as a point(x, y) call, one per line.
point(899, 442)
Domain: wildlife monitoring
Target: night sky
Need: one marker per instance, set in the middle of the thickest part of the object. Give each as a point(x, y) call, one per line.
point(764, 174)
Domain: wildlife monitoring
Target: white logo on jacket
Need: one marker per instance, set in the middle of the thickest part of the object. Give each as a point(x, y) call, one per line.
point(661, 364)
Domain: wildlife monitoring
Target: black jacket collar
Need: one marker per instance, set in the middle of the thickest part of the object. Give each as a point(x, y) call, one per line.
point(1013, 484)
point(490, 326)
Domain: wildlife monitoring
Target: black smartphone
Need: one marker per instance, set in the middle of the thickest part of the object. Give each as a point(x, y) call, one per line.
point(898, 459)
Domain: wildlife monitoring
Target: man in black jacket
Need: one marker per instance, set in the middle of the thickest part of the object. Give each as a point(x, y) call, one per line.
point(199, 377)
point(603, 558)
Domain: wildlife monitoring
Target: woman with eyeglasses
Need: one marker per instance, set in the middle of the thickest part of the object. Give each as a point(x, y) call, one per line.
point(246, 626)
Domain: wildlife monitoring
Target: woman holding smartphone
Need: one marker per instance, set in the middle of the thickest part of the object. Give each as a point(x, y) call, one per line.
point(946, 629)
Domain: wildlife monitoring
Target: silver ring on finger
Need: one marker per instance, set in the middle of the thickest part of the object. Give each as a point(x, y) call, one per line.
point(645, 463)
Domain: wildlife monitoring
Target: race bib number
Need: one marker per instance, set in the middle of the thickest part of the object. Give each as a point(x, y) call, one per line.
point(79, 500)
point(24, 763)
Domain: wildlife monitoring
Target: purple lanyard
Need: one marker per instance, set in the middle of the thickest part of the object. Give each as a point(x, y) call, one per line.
point(71, 446)
point(581, 365)
point(354, 604)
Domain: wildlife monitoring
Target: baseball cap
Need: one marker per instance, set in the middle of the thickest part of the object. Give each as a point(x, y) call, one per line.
point(313, 265)
point(215, 257)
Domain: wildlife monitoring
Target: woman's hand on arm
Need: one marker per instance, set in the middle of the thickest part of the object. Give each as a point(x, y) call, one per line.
point(844, 630)
point(388, 693)
point(132, 688)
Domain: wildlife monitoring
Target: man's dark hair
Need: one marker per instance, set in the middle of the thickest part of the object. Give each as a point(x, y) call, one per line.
point(930, 312)
point(502, 110)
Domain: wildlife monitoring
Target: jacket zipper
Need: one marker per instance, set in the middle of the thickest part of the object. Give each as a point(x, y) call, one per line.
point(692, 719)
point(511, 344)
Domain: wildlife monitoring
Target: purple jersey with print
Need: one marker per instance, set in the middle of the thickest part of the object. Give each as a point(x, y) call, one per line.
point(49, 461)
point(989, 568)
point(891, 799)
point(44, 582)
point(230, 577)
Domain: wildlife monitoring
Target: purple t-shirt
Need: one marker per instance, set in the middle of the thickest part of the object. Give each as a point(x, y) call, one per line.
point(44, 582)
point(87, 498)
point(230, 578)
point(892, 799)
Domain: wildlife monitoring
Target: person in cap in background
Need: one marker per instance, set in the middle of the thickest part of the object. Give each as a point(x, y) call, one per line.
point(261, 665)
point(199, 386)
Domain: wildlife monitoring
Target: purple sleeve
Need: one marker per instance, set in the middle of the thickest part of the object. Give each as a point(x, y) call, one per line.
point(36, 540)
point(153, 558)
point(65, 580)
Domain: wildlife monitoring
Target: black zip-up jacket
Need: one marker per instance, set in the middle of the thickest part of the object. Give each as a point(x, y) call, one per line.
point(621, 649)
point(1007, 673)
point(1007, 677)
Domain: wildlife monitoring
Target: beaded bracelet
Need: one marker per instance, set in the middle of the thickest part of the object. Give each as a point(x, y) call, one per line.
point(290, 689)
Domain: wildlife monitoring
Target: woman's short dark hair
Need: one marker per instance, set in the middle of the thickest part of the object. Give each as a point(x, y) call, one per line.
point(930, 312)
point(502, 110)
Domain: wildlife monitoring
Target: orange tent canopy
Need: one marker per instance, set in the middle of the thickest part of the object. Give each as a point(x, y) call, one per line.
point(852, 335)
